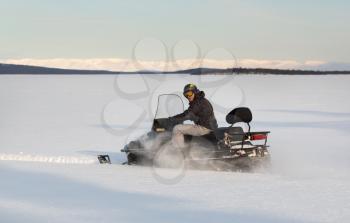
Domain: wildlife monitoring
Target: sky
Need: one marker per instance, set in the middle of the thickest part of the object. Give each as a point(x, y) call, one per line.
point(250, 32)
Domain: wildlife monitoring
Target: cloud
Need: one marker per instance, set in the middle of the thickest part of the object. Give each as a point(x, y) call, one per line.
point(117, 64)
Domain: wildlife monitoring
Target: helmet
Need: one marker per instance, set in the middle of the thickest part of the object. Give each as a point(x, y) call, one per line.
point(190, 87)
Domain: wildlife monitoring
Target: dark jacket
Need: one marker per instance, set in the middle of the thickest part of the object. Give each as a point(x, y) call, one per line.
point(200, 112)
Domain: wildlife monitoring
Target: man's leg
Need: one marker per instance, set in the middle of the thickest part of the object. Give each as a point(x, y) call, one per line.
point(187, 129)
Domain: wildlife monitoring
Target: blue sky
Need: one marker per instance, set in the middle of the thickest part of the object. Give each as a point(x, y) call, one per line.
point(257, 29)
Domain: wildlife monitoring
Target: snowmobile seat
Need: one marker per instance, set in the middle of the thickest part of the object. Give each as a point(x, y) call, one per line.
point(207, 140)
point(236, 133)
point(211, 137)
point(220, 132)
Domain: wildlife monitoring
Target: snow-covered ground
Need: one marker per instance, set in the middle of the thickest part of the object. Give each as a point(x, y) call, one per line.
point(52, 128)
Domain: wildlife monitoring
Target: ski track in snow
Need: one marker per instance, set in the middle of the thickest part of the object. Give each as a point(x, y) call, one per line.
point(47, 159)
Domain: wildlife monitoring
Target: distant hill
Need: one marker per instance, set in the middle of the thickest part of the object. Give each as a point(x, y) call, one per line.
point(25, 69)
point(240, 70)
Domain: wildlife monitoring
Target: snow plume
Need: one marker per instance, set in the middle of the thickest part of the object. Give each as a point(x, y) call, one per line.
point(167, 162)
point(118, 64)
point(160, 147)
point(311, 159)
point(177, 161)
point(311, 144)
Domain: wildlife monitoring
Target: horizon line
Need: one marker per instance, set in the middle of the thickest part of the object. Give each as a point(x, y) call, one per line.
point(127, 65)
point(197, 70)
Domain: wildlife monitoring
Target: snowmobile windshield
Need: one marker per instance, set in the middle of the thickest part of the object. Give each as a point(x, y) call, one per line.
point(169, 105)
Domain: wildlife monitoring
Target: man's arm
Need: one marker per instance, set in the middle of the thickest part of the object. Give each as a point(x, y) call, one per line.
point(186, 115)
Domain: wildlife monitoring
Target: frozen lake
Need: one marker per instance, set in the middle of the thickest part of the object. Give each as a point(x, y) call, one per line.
point(53, 126)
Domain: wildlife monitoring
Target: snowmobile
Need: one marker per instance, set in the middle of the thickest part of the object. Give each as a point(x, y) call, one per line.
point(226, 148)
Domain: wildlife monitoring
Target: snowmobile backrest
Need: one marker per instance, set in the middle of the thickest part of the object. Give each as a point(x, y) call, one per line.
point(240, 114)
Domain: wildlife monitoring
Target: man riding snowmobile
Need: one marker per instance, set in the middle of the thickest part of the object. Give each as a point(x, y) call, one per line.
point(204, 144)
point(200, 111)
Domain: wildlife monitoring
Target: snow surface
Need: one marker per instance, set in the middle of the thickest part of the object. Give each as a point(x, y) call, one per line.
point(52, 128)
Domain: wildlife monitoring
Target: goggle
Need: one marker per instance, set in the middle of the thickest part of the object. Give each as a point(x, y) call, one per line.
point(188, 94)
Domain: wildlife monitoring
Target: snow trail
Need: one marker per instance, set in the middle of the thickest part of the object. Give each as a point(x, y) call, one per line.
point(47, 159)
